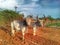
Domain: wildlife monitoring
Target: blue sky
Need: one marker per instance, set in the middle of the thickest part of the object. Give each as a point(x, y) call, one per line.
point(34, 7)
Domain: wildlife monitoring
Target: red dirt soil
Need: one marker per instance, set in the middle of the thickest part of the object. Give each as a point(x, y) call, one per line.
point(30, 39)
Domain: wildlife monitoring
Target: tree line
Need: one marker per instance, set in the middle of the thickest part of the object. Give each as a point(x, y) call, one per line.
point(6, 16)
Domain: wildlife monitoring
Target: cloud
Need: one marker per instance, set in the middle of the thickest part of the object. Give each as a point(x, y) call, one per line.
point(48, 7)
point(20, 1)
point(8, 4)
point(35, 0)
point(50, 3)
point(29, 7)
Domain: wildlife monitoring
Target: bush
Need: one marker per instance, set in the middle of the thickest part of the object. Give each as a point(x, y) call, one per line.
point(6, 16)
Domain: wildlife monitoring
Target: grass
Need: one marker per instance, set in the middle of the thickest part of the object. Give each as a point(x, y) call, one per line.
point(57, 24)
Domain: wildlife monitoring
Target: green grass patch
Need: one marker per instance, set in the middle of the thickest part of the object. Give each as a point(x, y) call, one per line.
point(53, 24)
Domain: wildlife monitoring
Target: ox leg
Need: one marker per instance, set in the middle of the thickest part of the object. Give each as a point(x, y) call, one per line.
point(23, 35)
point(12, 29)
point(34, 31)
point(26, 28)
point(23, 32)
point(13, 32)
point(42, 24)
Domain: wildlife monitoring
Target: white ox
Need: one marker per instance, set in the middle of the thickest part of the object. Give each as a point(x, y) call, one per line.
point(17, 25)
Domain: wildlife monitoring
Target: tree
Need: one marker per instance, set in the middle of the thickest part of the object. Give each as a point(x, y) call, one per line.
point(50, 18)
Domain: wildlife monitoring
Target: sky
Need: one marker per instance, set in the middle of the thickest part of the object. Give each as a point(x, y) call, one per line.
point(34, 7)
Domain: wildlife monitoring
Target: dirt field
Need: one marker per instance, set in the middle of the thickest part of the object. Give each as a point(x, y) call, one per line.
point(45, 36)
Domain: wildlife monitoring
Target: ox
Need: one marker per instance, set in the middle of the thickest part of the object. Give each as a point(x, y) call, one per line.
point(18, 25)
